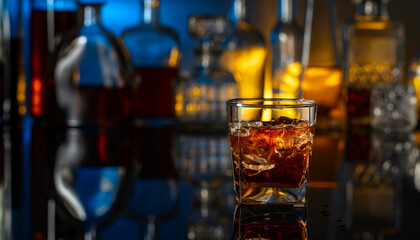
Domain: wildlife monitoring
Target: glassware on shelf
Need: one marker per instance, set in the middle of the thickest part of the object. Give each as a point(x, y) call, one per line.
point(50, 20)
point(322, 79)
point(287, 47)
point(92, 84)
point(373, 51)
point(245, 53)
point(155, 53)
point(201, 99)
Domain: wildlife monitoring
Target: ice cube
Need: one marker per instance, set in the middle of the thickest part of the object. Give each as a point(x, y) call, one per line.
point(243, 129)
point(285, 121)
point(256, 163)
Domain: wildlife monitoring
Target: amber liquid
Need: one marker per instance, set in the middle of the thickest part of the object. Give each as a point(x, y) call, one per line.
point(155, 96)
point(42, 50)
point(288, 165)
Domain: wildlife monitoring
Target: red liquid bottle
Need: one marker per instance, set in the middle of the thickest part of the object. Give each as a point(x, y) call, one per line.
point(49, 23)
point(154, 50)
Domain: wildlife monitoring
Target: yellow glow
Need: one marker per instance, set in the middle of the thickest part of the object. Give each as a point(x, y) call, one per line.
point(247, 66)
point(322, 85)
point(372, 25)
point(416, 83)
point(294, 69)
point(20, 94)
point(174, 57)
point(287, 81)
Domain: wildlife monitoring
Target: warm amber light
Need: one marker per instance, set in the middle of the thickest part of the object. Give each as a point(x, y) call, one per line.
point(20, 94)
point(416, 83)
point(36, 96)
point(286, 81)
point(174, 58)
point(322, 85)
point(247, 66)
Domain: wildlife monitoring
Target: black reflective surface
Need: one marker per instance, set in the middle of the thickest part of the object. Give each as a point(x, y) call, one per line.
point(363, 185)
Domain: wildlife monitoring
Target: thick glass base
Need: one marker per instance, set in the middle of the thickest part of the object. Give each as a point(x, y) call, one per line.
point(249, 194)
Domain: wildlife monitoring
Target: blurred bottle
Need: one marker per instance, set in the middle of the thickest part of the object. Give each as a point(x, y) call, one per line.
point(373, 52)
point(155, 53)
point(287, 44)
point(50, 20)
point(92, 75)
point(245, 54)
point(413, 79)
point(322, 79)
point(201, 99)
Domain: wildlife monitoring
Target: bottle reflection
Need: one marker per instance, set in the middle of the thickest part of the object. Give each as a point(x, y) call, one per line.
point(269, 223)
point(154, 195)
point(373, 185)
point(91, 174)
point(212, 207)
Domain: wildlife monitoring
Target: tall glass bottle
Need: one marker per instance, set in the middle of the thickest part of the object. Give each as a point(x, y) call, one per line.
point(287, 44)
point(155, 54)
point(322, 79)
point(201, 99)
point(245, 53)
point(92, 75)
point(49, 21)
point(373, 52)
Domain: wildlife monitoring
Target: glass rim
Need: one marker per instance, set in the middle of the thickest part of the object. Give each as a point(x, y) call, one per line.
point(261, 103)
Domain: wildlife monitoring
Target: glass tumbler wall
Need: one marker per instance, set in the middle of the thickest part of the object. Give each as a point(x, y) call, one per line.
point(271, 143)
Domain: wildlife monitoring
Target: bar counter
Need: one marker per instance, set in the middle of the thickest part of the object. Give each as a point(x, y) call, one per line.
point(363, 185)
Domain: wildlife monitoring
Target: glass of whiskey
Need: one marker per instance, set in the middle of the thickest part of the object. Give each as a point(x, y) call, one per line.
point(271, 146)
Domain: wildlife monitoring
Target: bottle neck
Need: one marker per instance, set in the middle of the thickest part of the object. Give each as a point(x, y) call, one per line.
point(150, 12)
point(286, 10)
point(91, 14)
point(238, 11)
point(372, 8)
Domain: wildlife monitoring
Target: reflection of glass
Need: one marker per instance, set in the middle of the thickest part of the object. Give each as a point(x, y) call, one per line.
point(92, 85)
point(212, 210)
point(287, 44)
point(91, 174)
point(373, 50)
point(200, 157)
point(50, 20)
point(155, 53)
point(271, 142)
point(269, 223)
point(154, 194)
point(201, 98)
point(245, 53)
point(373, 187)
point(152, 201)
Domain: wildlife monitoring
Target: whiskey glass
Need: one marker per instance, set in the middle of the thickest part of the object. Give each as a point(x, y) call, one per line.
point(271, 145)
